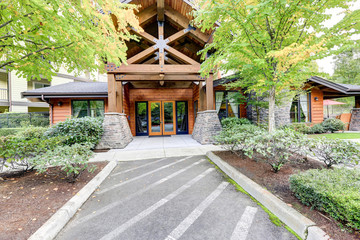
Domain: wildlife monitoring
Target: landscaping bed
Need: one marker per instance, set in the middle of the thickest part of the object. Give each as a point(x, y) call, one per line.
point(278, 184)
point(29, 199)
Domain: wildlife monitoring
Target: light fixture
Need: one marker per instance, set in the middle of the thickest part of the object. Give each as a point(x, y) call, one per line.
point(60, 104)
point(316, 98)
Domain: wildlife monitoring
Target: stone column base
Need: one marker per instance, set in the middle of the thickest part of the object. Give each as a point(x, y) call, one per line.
point(355, 120)
point(207, 125)
point(117, 132)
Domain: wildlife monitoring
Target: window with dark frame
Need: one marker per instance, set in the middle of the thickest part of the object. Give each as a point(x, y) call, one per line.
point(300, 110)
point(226, 104)
point(85, 108)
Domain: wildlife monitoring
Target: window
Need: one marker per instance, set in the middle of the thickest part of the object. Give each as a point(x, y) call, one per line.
point(84, 108)
point(41, 85)
point(301, 108)
point(181, 117)
point(227, 104)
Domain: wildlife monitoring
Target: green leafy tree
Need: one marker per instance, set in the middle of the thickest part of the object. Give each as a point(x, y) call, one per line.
point(270, 43)
point(347, 67)
point(37, 37)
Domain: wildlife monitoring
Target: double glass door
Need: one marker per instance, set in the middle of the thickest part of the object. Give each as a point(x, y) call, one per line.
point(162, 118)
point(156, 118)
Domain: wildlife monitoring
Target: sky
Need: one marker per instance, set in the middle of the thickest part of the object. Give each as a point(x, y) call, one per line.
point(327, 64)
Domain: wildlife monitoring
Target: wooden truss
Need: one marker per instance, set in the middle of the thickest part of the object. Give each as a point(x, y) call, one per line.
point(184, 68)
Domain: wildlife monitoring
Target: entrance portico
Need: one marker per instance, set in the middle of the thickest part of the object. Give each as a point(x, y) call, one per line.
point(160, 90)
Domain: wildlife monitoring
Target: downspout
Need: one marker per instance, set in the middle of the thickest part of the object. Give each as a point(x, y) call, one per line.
point(9, 91)
point(51, 109)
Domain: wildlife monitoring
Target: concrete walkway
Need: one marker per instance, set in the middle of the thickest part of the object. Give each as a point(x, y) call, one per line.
point(168, 199)
point(142, 148)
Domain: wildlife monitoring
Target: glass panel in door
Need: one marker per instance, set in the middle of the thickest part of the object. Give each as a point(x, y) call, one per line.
point(181, 115)
point(155, 118)
point(141, 118)
point(169, 117)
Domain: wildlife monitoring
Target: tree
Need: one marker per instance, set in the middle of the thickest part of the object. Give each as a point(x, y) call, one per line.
point(270, 43)
point(347, 67)
point(37, 37)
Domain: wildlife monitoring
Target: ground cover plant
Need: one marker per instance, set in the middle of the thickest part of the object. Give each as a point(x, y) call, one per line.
point(335, 192)
point(337, 135)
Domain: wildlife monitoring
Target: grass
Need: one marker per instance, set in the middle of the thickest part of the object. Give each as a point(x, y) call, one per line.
point(337, 135)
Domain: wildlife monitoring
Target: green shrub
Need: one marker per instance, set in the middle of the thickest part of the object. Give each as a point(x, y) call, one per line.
point(335, 192)
point(78, 130)
point(15, 152)
point(31, 132)
point(73, 160)
point(233, 139)
point(334, 151)
point(332, 125)
point(299, 127)
point(233, 121)
point(316, 129)
point(9, 131)
point(277, 148)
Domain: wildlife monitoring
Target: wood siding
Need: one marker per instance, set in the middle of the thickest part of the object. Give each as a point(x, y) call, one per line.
point(63, 112)
point(317, 109)
point(161, 95)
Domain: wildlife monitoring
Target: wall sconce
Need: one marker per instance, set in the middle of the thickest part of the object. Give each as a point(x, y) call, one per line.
point(316, 98)
point(60, 104)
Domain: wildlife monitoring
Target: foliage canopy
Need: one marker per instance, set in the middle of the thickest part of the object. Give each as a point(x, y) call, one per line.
point(37, 37)
point(271, 43)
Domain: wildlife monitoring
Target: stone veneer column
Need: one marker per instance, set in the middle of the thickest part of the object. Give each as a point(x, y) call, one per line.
point(117, 132)
point(207, 125)
point(355, 120)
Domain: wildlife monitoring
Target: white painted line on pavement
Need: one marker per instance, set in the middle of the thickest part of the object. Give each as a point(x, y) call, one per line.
point(131, 169)
point(191, 218)
point(140, 176)
point(113, 234)
point(242, 227)
point(128, 197)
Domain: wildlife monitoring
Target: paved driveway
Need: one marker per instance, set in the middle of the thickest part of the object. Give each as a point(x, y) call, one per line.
point(170, 198)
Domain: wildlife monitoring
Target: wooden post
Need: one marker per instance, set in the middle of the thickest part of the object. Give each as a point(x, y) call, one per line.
point(161, 37)
point(357, 102)
point(202, 98)
point(111, 93)
point(119, 97)
point(210, 93)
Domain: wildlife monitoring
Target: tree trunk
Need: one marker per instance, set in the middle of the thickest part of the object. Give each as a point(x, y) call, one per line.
point(272, 109)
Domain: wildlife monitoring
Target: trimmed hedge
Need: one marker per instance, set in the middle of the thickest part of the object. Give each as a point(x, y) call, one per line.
point(233, 122)
point(335, 192)
point(9, 131)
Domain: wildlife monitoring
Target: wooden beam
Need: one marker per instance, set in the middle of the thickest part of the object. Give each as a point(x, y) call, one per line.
point(111, 93)
point(202, 98)
point(147, 14)
point(177, 36)
point(210, 93)
point(151, 60)
point(157, 77)
point(119, 97)
point(153, 69)
point(161, 10)
point(150, 38)
point(142, 55)
point(181, 56)
point(171, 61)
point(182, 21)
point(161, 37)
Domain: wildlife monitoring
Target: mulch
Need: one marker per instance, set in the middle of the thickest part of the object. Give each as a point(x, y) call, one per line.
point(278, 184)
point(28, 199)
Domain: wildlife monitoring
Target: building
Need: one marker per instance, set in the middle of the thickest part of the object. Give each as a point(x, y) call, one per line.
point(11, 87)
point(160, 91)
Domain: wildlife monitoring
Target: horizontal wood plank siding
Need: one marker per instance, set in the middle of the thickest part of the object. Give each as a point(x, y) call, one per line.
point(63, 112)
point(317, 109)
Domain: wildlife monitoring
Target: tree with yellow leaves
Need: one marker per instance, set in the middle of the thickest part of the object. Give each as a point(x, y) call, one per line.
point(270, 43)
point(37, 37)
